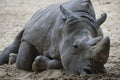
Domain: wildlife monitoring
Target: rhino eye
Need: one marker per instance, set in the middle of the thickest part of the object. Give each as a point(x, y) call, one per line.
point(75, 46)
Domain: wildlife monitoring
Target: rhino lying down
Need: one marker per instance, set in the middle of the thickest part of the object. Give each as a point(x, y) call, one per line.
point(61, 36)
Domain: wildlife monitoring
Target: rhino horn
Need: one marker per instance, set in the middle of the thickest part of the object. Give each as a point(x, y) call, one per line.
point(101, 51)
point(101, 19)
point(94, 41)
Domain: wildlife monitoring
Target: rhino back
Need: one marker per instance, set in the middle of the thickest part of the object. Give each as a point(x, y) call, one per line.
point(40, 29)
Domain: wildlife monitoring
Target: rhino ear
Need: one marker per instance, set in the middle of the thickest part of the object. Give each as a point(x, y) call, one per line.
point(67, 13)
point(101, 20)
point(101, 51)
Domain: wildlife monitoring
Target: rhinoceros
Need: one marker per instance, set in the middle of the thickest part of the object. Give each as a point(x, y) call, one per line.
point(65, 35)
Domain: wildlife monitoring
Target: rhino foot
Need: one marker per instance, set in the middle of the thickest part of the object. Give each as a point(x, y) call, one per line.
point(40, 63)
point(12, 58)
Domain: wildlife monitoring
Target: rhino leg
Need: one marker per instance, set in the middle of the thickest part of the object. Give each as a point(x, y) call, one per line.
point(12, 58)
point(42, 63)
point(13, 48)
point(26, 56)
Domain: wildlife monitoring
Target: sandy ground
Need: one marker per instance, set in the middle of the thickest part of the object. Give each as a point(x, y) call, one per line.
point(15, 13)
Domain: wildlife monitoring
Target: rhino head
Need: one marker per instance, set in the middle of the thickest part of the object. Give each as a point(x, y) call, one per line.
point(82, 51)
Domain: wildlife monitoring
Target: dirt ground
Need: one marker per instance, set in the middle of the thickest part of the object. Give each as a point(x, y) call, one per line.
point(15, 13)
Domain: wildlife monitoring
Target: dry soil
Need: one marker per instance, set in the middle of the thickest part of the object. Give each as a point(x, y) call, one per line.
point(15, 13)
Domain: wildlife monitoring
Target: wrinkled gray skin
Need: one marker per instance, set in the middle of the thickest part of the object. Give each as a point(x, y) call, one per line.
point(61, 36)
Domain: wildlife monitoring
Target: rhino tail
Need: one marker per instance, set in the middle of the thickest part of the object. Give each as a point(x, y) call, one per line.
point(12, 48)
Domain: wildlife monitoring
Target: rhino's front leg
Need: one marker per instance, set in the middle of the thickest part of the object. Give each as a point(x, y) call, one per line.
point(42, 63)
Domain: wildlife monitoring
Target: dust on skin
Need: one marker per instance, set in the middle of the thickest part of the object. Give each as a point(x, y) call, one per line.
point(13, 16)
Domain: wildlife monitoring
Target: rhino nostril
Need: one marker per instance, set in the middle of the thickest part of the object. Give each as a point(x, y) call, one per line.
point(87, 71)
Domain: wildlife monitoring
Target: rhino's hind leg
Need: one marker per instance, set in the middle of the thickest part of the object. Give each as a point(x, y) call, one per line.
point(13, 48)
point(26, 56)
point(42, 63)
point(12, 58)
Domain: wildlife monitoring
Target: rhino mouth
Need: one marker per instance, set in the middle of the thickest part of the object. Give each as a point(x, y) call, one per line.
point(94, 68)
point(86, 71)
